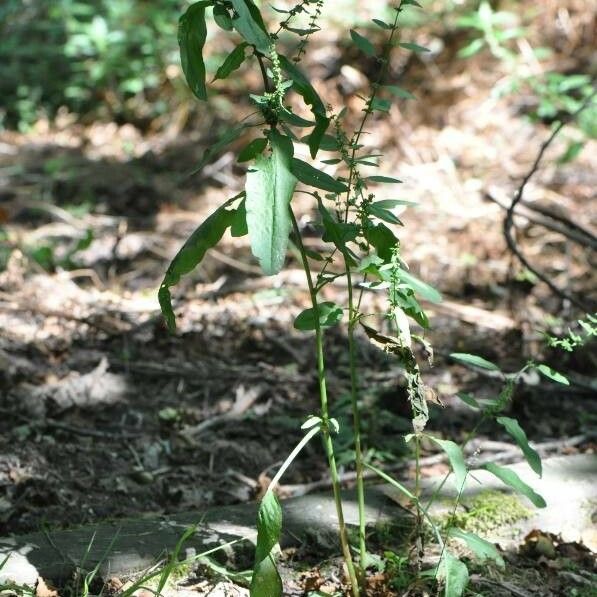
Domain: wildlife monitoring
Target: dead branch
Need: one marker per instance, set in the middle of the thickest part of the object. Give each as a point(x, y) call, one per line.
point(509, 219)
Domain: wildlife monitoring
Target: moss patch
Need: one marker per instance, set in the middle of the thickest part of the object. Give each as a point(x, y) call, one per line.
point(488, 511)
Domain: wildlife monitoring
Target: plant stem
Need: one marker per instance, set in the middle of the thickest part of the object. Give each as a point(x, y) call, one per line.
point(325, 415)
point(356, 417)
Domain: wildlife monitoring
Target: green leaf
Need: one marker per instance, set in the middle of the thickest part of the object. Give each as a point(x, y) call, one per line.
point(294, 119)
point(454, 573)
point(252, 150)
point(322, 123)
point(249, 23)
point(337, 232)
point(232, 62)
point(266, 581)
point(483, 549)
point(392, 203)
point(424, 290)
point(456, 458)
point(381, 105)
point(303, 87)
point(520, 437)
point(469, 400)
point(399, 92)
point(552, 374)
point(222, 17)
point(509, 477)
point(227, 138)
point(382, 24)
point(192, 32)
point(269, 188)
point(362, 43)
point(382, 213)
point(413, 47)
point(316, 178)
point(410, 3)
point(327, 142)
point(382, 179)
point(327, 313)
point(382, 239)
point(474, 360)
point(238, 227)
point(206, 236)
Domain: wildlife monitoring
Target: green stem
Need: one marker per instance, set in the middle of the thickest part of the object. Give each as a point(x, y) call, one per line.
point(356, 417)
point(325, 415)
point(306, 439)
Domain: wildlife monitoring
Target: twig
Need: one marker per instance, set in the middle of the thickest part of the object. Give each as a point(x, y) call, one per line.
point(567, 228)
point(509, 454)
point(89, 431)
point(517, 592)
point(509, 219)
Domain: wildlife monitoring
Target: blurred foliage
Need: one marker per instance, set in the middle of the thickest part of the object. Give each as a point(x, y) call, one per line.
point(110, 59)
point(86, 55)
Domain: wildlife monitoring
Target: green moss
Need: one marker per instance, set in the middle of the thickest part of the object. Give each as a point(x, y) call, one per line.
point(488, 511)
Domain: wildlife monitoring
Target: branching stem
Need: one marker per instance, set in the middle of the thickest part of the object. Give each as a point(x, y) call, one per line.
point(325, 415)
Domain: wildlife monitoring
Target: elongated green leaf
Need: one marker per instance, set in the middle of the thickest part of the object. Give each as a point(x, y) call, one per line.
point(381, 105)
point(232, 62)
point(382, 24)
point(382, 179)
point(328, 313)
point(269, 188)
point(391, 203)
point(294, 119)
point(227, 138)
point(414, 47)
point(316, 178)
point(252, 150)
point(206, 236)
point(327, 142)
point(520, 437)
point(469, 400)
point(382, 239)
point(336, 232)
point(322, 123)
point(552, 374)
point(362, 43)
point(266, 581)
point(249, 24)
point(509, 477)
point(222, 17)
point(454, 573)
point(424, 290)
point(456, 458)
point(192, 32)
point(303, 87)
point(399, 92)
point(483, 549)
point(474, 360)
point(383, 214)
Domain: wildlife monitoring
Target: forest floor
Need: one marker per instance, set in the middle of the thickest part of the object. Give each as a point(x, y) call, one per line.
point(104, 415)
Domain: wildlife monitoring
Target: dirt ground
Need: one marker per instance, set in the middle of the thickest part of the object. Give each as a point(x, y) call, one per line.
point(104, 415)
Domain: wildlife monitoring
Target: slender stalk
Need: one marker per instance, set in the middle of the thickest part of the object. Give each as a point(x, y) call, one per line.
point(353, 319)
point(356, 417)
point(325, 415)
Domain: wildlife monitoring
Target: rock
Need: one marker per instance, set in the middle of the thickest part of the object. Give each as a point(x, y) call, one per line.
point(17, 570)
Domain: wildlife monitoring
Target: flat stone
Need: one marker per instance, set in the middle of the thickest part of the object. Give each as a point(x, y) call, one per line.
point(568, 485)
point(128, 546)
point(17, 570)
